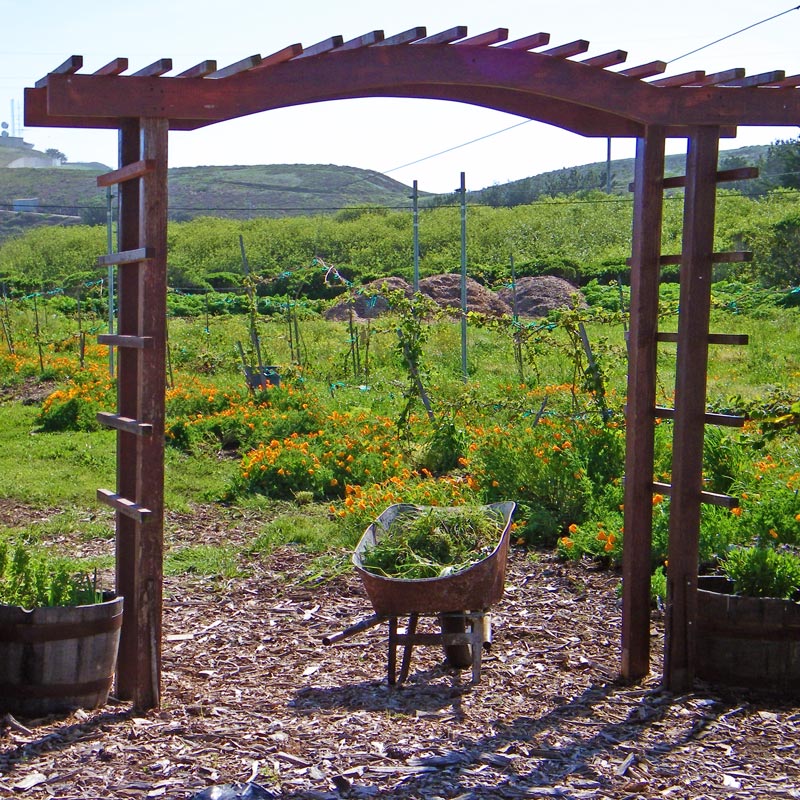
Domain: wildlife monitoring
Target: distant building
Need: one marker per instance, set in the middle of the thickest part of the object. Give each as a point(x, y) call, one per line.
point(15, 152)
point(25, 204)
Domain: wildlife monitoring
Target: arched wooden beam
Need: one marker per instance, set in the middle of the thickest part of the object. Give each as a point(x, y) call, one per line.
point(519, 82)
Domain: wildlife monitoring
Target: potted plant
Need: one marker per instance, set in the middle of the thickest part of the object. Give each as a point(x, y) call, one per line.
point(58, 635)
point(748, 631)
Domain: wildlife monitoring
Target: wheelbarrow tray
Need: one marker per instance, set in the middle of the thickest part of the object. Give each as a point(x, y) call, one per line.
point(474, 588)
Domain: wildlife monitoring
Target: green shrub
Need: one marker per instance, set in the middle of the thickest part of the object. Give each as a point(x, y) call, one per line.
point(444, 448)
point(763, 572)
point(33, 579)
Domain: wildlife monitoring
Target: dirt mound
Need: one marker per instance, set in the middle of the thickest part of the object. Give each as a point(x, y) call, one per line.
point(370, 302)
point(539, 295)
point(445, 290)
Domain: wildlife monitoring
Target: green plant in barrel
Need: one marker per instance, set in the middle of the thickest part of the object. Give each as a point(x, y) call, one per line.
point(32, 580)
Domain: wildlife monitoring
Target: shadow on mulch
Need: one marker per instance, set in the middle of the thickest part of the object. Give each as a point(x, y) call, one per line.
point(63, 737)
point(422, 694)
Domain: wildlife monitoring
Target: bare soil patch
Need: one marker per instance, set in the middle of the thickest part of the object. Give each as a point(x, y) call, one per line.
point(249, 691)
point(30, 391)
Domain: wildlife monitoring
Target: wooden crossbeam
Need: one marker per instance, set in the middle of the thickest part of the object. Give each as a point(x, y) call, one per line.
point(406, 37)
point(723, 176)
point(645, 70)
point(70, 66)
point(711, 498)
point(285, 54)
point(115, 67)
point(764, 79)
point(713, 338)
point(528, 42)
point(126, 507)
point(243, 65)
point(324, 46)
point(733, 257)
point(789, 82)
point(126, 257)
point(366, 40)
point(567, 50)
point(125, 340)
point(684, 79)
point(154, 70)
point(721, 78)
point(607, 59)
point(127, 173)
point(445, 37)
point(125, 424)
point(199, 70)
point(711, 418)
point(485, 39)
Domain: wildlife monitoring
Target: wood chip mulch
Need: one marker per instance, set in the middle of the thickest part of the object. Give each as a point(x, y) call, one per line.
point(249, 693)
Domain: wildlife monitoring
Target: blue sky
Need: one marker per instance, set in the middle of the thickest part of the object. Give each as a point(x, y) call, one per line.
point(380, 134)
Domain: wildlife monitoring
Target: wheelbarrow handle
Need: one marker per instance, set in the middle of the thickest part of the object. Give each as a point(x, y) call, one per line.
point(358, 627)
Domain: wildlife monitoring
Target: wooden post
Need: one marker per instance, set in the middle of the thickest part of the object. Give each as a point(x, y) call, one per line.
point(647, 220)
point(141, 396)
point(127, 544)
point(690, 402)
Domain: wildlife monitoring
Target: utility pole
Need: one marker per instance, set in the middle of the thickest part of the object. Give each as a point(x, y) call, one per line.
point(463, 277)
point(415, 201)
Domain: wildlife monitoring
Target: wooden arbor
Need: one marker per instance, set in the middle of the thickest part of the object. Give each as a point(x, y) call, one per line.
point(524, 77)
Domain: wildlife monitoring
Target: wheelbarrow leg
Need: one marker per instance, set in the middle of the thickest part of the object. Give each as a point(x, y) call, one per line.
point(412, 629)
point(478, 635)
point(392, 665)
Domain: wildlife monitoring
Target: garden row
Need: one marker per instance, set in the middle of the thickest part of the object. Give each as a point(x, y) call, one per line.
point(353, 440)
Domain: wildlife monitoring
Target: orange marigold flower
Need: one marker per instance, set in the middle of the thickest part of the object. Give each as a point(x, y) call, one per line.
point(573, 528)
point(737, 512)
point(567, 542)
point(773, 533)
point(609, 545)
point(657, 499)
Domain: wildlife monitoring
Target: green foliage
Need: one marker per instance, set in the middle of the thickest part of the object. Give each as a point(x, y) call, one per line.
point(434, 542)
point(763, 572)
point(540, 468)
point(310, 531)
point(33, 579)
point(444, 449)
point(204, 560)
point(658, 587)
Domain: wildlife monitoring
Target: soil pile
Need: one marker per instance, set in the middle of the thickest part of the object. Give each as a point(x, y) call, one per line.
point(445, 290)
point(371, 301)
point(538, 295)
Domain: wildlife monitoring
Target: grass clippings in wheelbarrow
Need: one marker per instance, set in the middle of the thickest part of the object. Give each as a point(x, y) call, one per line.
point(434, 542)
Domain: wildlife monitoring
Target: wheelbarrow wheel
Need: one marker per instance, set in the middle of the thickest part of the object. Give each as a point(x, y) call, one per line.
point(458, 656)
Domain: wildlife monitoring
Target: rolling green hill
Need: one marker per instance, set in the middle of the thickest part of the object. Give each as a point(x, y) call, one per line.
point(69, 194)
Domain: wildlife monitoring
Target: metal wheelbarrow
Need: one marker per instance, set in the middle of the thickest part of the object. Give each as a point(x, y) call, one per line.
point(460, 601)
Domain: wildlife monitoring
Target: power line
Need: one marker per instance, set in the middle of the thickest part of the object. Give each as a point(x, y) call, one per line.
point(730, 35)
point(456, 147)
point(525, 122)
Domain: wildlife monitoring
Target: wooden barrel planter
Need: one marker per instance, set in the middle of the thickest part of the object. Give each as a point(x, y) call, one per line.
point(57, 659)
point(751, 642)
